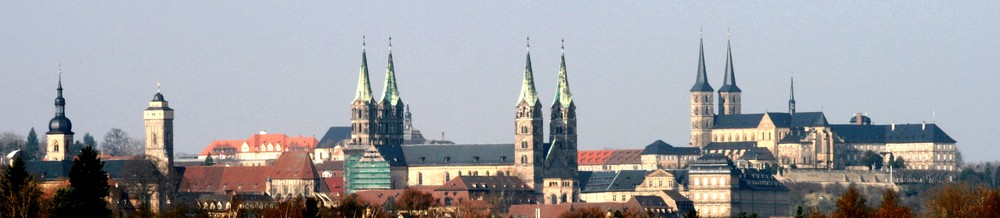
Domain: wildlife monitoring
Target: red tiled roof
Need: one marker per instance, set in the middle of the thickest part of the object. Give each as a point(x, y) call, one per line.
point(293, 165)
point(596, 157)
point(218, 179)
point(627, 156)
point(555, 210)
point(256, 141)
point(335, 184)
point(378, 197)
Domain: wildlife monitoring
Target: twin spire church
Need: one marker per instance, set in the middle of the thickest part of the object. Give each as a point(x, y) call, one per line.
point(377, 158)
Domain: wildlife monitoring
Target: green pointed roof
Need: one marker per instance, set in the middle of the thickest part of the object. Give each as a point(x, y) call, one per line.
point(729, 82)
point(528, 93)
point(563, 96)
point(364, 91)
point(701, 83)
point(390, 93)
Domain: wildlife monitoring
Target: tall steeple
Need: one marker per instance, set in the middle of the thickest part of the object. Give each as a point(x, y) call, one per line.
point(364, 91)
point(60, 134)
point(390, 93)
point(701, 80)
point(528, 133)
point(363, 106)
point(730, 95)
point(528, 93)
point(791, 96)
point(563, 96)
point(388, 129)
point(159, 123)
point(702, 114)
point(560, 166)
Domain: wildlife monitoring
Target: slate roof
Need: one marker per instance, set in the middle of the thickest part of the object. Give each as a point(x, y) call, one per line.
point(904, 133)
point(649, 201)
point(464, 154)
point(758, 153)
point(662, 148)
point(333, 135)
point(59, 170)
point(712, 163)
point(556, 165)
point(701, 79)
point(737, 121)
point(604, 181)
point(756, 180)
point(785, 120)
point(483, 183)
point(731, 145)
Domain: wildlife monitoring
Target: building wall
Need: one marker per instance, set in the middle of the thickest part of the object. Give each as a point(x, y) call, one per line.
point(925, 156)
point(712, 194)
point(438, 175)
point(289, 187)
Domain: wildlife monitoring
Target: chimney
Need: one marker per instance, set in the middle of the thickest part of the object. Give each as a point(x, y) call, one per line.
point(923, 125)
point(262, 132)
point(442, 135)
point(893, 125)
point(857, 118)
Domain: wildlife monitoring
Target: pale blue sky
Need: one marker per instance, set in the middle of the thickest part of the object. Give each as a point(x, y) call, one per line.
point(232, 68)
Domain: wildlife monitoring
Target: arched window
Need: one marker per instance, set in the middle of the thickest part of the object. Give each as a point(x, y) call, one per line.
point(420, 178)
point(447, 176)
point(524, 144)
point(524, 159)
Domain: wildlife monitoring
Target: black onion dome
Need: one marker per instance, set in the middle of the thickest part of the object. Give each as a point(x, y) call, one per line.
point(158, 97)
point(60, 124)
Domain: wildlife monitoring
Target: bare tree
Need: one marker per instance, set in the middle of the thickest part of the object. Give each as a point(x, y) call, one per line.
point(118, 143)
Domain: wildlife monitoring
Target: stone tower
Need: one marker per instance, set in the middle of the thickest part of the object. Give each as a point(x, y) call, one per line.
point(702, 115)
point(159, 122)
point(362, 108)
point(528, 134)
point(60, 134)
point(389, 111)
point(560, 181)
point(729, 94)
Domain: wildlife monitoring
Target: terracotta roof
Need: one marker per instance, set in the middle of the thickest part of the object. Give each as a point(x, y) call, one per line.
point(379, 197)
point(627, 156)
point(218, 179)
point(335, 185)
point(596, 157)
point(259, 141)
point(293, 165)
point(555, 210)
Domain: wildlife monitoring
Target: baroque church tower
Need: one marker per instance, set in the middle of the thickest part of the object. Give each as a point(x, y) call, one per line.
point(702, 115)
point(528, 134)
point(729, 94)
point(389, 111)
point(363, 107)
point(159, 122)
point(560, 167)
point(60, 134)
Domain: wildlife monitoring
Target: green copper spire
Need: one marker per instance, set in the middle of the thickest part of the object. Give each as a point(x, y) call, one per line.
point(563, 96)
point(364, 91)
point(390, 93)
point(528, 93)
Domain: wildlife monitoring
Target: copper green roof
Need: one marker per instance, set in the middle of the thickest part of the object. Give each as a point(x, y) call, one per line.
point(563, 96)
point(729, 83)
point(364, 91)
point(701, 83)
point(390, 93)
point(528, 93)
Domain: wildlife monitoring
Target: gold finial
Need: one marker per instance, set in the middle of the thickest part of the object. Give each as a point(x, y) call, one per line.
point(701, 32)
point(728, 34)
point(562, 44)
point(390, 43)
point(364, 43)
point(157, 87)
point(527, 41)
point(60, 72)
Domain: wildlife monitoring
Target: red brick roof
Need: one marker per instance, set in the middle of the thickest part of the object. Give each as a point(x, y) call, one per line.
point(293, 165)
point(602, 157)
point(596, 157)
point(218, 179)
point(627, 156)
point(259, 142)
point(555, 210)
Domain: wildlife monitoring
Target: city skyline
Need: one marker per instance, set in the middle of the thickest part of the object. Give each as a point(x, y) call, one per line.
point(229, 78)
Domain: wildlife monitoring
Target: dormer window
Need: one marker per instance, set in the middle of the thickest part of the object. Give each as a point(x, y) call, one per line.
point(475, 159)
point(422, 159)
point(447, 159)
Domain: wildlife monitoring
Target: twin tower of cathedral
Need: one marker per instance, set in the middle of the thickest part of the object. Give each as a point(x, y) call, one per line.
point(380, 123)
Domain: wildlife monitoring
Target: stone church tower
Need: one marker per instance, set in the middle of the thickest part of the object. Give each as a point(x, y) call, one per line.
point(729, 94)
point(560, 181)
point(363, 107)
point(702, 115)
point(388, 129)
point(60, 134)
point(159, 122)
point(528, 134)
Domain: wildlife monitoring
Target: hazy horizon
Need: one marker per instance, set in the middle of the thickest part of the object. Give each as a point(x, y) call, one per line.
point(230, 69)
